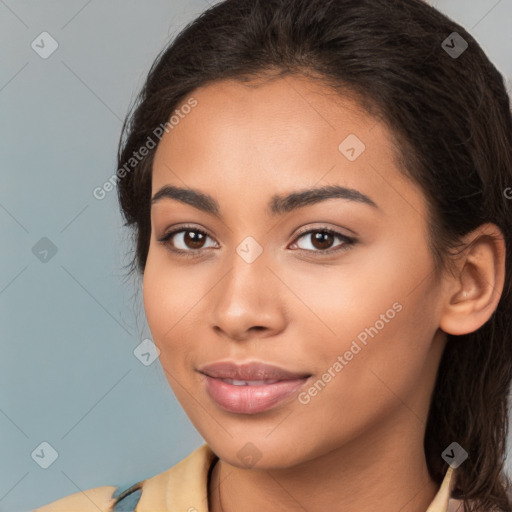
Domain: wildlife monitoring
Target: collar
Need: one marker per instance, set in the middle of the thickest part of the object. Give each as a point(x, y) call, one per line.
point(184, 487)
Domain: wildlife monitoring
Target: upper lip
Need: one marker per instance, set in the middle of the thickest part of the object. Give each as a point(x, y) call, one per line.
point(249, 371)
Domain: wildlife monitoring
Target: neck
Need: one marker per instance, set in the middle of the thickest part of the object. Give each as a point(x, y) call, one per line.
point(369, 473)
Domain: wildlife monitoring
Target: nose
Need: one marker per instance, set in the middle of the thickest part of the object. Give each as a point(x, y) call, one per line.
point(248, 302)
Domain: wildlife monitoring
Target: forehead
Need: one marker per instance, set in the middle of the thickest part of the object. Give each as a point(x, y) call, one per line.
point(291, 108)
point(269, 135)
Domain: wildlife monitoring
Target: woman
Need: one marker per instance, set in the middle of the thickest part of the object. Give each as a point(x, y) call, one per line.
point(320, 197)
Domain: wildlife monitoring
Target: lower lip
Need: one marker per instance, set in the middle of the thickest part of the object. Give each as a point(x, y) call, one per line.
point(251, 399)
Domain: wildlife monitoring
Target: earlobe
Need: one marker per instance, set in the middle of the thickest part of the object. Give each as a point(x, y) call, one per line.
point(474, 291)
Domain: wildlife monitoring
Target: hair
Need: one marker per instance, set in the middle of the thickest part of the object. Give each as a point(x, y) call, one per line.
point(451, 123)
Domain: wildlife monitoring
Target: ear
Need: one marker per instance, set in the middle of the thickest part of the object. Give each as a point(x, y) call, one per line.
point(474, 290)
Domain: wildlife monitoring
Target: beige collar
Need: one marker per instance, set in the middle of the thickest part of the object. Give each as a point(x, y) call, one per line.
point(184, 487)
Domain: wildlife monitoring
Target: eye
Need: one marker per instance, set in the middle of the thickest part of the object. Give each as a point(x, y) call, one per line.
point(185, 240)
point(322, 240)
point(189, 241)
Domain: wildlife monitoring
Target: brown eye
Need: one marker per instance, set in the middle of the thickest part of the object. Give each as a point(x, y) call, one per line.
point(194, 241)
point(185, 240)
point(322, 240)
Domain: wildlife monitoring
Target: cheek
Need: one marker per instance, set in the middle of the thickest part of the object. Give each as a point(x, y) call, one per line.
point(378, 315)
point(358, 385)
point(340, 304)
point(167, 296)
point(174, 298)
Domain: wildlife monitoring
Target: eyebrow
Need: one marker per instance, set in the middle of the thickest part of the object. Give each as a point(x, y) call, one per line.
point(278, 204)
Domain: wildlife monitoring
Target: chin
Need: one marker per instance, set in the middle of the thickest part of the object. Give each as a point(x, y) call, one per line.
point(258, 452)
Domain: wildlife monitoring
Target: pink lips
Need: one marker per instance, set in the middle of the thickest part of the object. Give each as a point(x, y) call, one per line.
point(252, 387)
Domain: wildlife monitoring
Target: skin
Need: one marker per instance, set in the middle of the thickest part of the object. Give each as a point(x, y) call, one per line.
point(358, 444)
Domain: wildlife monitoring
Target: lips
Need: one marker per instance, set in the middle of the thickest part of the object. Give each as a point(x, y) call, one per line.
point(254, 373)
point(250, 388)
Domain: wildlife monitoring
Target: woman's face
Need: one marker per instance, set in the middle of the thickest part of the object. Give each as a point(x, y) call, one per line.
point(356, 310)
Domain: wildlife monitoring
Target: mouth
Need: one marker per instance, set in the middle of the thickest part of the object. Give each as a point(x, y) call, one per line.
point(235, 382)
point(250, 388)
point(255, 372)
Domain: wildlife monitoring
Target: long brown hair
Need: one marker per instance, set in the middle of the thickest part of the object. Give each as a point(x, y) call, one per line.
point(451, 119)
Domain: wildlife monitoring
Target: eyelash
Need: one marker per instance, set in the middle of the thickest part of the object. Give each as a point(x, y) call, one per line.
point(348, 242)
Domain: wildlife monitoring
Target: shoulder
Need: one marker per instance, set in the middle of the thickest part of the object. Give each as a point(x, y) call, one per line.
point(93, 500)
point(98, 499)
point(172, 489)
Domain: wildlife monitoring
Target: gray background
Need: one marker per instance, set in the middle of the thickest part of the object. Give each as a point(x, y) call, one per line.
point(69, 326)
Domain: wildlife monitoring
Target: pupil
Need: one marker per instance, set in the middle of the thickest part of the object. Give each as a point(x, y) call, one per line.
point(323, 239)
point(194, 240)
